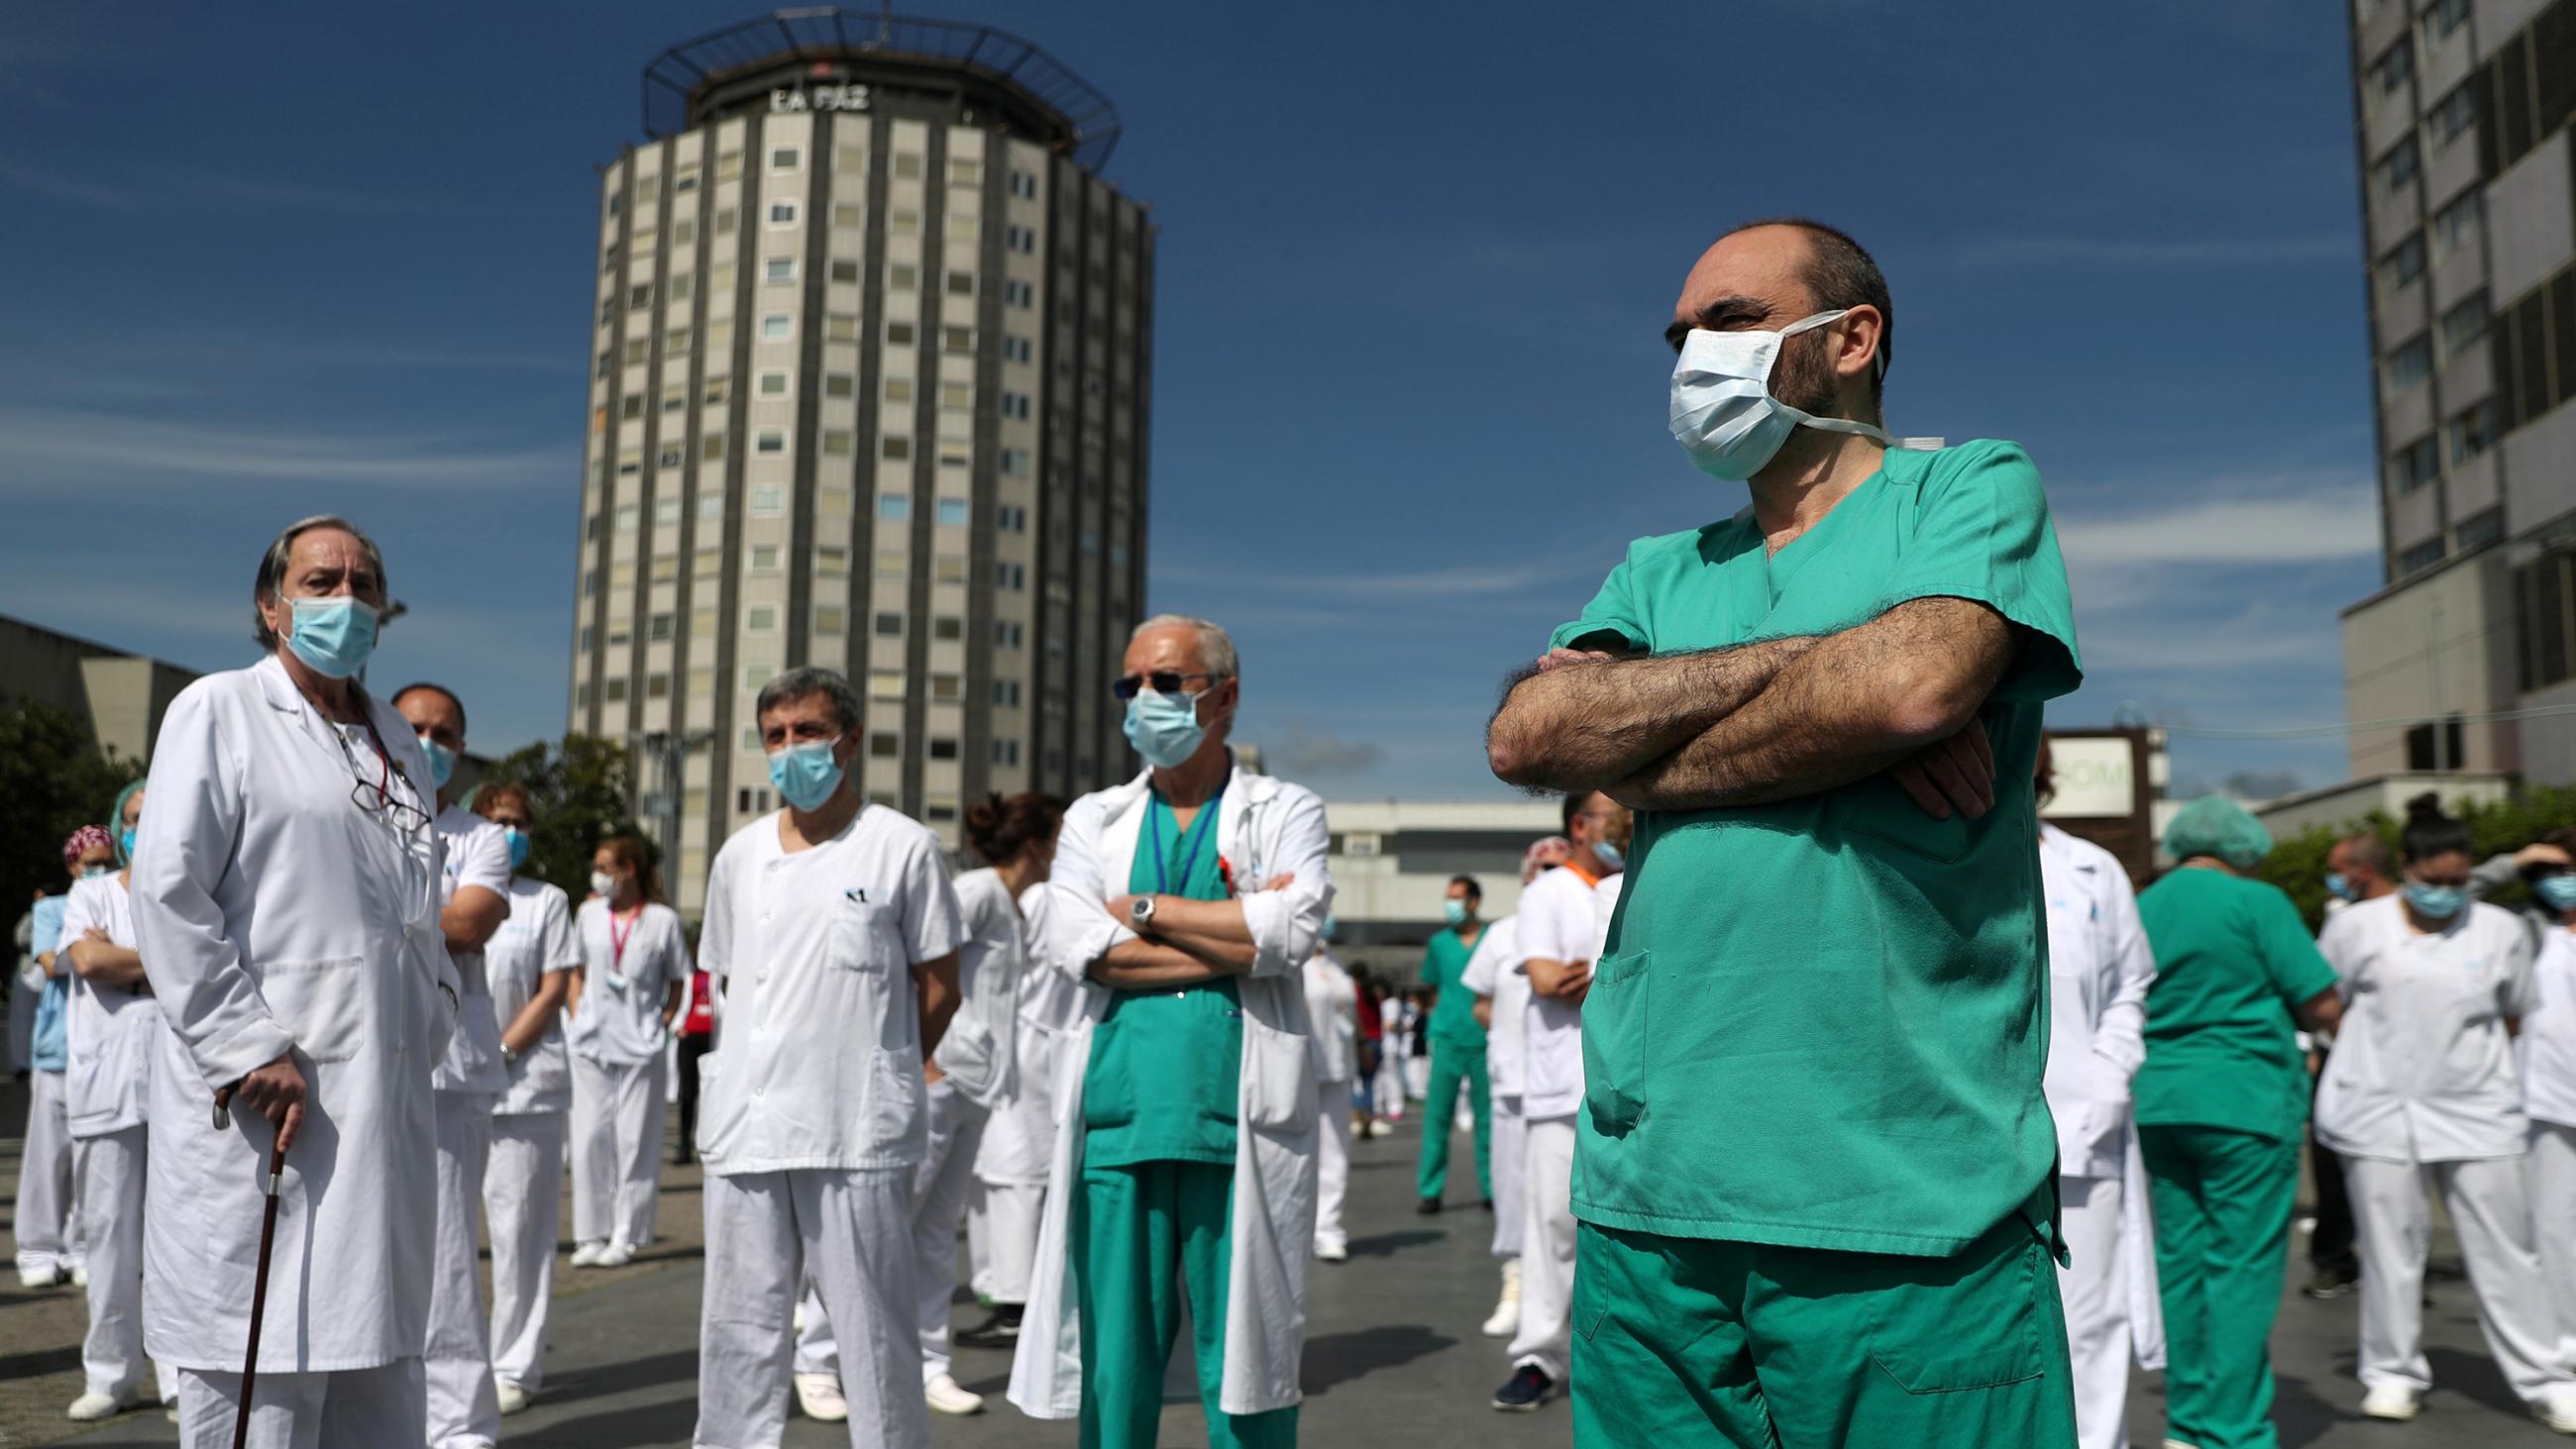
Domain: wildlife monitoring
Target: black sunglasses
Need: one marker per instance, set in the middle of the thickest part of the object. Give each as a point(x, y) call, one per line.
point(1161, 681)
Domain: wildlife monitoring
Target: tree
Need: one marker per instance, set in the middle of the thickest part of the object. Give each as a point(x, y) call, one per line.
point(2499, 827)
point(581, 793)
point(53, 781)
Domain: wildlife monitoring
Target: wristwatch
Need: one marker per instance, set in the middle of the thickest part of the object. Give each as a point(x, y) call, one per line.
point(1140, 915)
point(509, 1055)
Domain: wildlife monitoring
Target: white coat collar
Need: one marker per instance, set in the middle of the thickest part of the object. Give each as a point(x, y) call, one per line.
point(1242, 786)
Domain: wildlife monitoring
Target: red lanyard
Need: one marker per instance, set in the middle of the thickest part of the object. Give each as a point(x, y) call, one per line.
point(617, 938)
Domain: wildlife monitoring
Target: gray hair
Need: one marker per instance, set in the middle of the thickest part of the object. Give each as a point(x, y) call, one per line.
point(272, 568)
point(1216, 647)
point(809, 679)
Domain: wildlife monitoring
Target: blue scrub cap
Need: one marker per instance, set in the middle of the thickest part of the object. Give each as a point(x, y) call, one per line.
point(2214, 825)
point(116, 822)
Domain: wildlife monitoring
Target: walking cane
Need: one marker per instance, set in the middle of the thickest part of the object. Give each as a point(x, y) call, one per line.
point(259, 1283)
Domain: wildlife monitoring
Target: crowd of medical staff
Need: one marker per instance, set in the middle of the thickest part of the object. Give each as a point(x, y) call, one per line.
point(1120, 1059)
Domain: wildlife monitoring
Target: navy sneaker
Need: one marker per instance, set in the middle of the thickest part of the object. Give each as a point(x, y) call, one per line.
point(1528, 1389)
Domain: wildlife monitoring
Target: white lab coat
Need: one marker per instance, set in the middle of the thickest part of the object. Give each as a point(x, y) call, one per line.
point(1332, 1017)
point(273, 912)
point(979, 1053)
point(2099, 968)
point(1267, 827)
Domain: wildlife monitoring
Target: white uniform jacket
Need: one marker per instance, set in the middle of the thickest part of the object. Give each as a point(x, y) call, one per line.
point(1332, 1017)
point(274, 911)
point(2423, 1069)
point(115, 1032)
point(1498, 969)
point(2546, 1050)
point(1266, 827)
point(979, 1053)
point(478, 854)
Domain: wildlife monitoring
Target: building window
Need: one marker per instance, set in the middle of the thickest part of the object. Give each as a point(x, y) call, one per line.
point(1011, 518)
point(2452, 119)
point(844, 270)
point(626, 516)
point(773, 384)
point(2459, 224)
point(884, 746)
point(2472, 432)
point(2410, 364)
point(894, 450)
point(961, 284)
point(2464, 326)
point(2403, 264)
point(715, 394)
point(1016, 348)
point(832, 561)
point(1019, 294)
point(2479, 531)
point(2419, 558)
point(670, 457)
point(630, 407)
point(782, 214)
point(827, 619)
point(899, 334)
point(903, 222)
point(764, 558)
point(962, 172)
point(885, 684)
point(1024, 185)
point(943, 749)
point(898, 389)
point(777, 327)
point(2413, 466)
point(894, 507)
point(666, 510)
point(889, 624)
point(948, 568)
point(770, 440)
point(840, 384)
point(768, 500)
point(2395, 170)
point(954, 512)
point(777, 271)
point(947, 686)
point(957, 340)
point(836, 442)
point(947, 627)
point(711, 447)
point(2443, 19)
point(1006, 693)
point(761, 619)
point(1020, 239)
point(907, 164)
point(1009, 634)
point(784, 158)
point(1015, 462)
point(1010, 576)
point(840, 327)
point(902, 277)
point(891, 563)
point(1006, 752)
point(850, 216)
point(2394, 69)
point(1015, 405)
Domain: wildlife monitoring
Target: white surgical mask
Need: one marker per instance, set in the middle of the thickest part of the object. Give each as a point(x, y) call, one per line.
point(603, 885)
point(1724, 415)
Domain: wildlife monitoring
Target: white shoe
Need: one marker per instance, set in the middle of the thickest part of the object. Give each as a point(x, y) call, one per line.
point(615, 1255)
point(586, 1255)
point(89, 1408)
point(2394, 1402)
point(512, 1398)
point(1332, 1251)
point(44, 1277)
point(1381, 1128)
point(2558, 1412)
point(819, 1395)
point(1506, 1319)
point(944, 1397)
point(80, 1275)
point(796, 1320)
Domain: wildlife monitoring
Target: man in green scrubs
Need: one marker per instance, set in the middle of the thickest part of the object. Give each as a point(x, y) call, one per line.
point(1457, 1049)
point(1815, 1176)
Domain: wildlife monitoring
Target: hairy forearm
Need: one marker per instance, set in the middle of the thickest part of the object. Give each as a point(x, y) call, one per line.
point(1212, 931)
point(1584, 725)
point(470, 920)
point(1855, 704)
point(936, 985)
point(1142, 965)
point(1558, 978)
point(529, 1026)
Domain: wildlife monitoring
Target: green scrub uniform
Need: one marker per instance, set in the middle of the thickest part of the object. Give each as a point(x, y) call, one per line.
point(2221, 1101)
point(1813, 1133)
point(1457, 1057)
point(1160, 1098)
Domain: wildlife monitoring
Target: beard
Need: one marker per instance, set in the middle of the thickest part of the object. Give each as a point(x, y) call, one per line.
point(1805, 375)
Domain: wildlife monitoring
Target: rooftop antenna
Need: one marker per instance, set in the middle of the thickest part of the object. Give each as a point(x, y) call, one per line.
point(885, 22)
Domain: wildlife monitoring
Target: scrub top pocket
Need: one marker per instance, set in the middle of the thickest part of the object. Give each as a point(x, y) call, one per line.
point(866, 936)
point(1614, 1042)
point(323, 1004)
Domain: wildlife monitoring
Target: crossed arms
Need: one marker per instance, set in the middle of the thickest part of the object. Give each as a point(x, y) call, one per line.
point(1768, 721)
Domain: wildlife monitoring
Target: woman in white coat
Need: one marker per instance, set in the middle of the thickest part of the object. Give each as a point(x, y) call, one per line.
point(285, 896)
point(116, 1032)
point(530, 964)
point(1333, 1019)
point(2421, 1088)
point(1245, 888)
point(2099, 969)
point(976, 1066)
point(634, 972)
point(1019, 1142)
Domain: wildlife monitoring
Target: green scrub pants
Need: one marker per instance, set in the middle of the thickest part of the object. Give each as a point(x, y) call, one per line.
point(1143, 1235)
point(1452, 1066)
point(1805, 1348)
point(2223, 1201)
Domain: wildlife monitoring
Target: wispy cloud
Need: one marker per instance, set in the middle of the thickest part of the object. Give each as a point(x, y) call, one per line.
point(1305, 748)
point(2317, 524)
point(51, 450)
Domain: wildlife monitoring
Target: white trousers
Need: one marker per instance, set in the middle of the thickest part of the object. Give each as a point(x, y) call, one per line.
point(853, 1231)
point(940, 1185)
point(111, 1203)
point(304, 1411)
point(616, 1149)
point(456, 1357)
point(1546, 1334)
point(1388, 1090)
point(49, 1228)
point(2552, 1167)
point(23, 999)
point(1332, 1163)
point(1012, 1213)
point(523, 1207)
point(815, 1351)
point(2094, 1286)
point(1509, 1146)
point(1417, 1078)
point(2393, 1230)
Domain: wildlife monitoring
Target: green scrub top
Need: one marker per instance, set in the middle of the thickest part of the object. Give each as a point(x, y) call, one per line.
point(1163, 1081)
point(2232, 959)
point(1847, 1030)
point(1453, 1016)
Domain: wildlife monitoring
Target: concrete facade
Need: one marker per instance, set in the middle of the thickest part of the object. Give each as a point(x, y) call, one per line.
point(2462, 111)
point(121, 695)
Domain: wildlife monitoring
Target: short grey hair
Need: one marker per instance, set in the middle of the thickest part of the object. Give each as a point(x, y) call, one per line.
point(810, 679)
point(272, 568)
point(1216, 647)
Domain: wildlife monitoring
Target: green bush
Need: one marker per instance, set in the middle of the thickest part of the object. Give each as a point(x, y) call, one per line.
point(2298, 864)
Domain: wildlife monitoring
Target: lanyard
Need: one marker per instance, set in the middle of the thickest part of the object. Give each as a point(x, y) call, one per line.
point(1196, 840)
point(617, 938)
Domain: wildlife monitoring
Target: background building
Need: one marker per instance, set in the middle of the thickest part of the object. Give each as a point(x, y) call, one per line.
point(2462, 112)
point(121, 695)
point(869, 390)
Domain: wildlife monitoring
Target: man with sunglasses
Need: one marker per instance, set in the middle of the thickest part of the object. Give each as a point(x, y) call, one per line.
point(1185, 1165)
point(464, 1405)
point(1815, 1185)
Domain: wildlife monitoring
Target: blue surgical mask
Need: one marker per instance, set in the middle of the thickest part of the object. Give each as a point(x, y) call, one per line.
point(92, 872)
point(1611, 855)
point(1164, 728)
point(806, 774)
point(2435, 903)
point(2558, 892)
point(442, 761)
point(518, 845)
point(1330, 925)
point(125, 841)
point(334, 636)
point(1455, 911)
point(2339, 886)
point(1723, 413)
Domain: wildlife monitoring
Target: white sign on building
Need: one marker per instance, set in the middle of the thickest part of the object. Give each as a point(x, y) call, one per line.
point(2095, 777)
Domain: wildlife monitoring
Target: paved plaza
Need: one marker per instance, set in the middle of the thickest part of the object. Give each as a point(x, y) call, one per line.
point(1393, 1357)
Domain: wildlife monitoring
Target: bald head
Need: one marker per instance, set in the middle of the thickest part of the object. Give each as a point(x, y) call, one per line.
point(1765, 275)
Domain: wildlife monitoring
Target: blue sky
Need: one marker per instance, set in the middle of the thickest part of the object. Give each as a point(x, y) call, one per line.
point(1415, 261)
